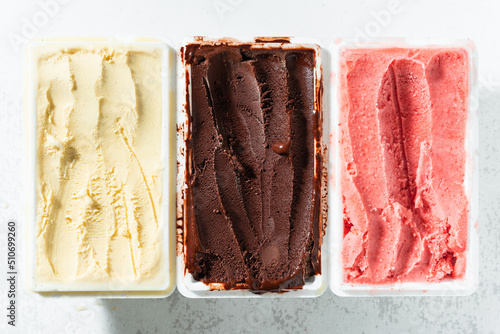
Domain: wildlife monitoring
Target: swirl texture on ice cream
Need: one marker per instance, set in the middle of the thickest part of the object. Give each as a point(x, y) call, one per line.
point(403, 128)
point(254, 176)
point(99, 167)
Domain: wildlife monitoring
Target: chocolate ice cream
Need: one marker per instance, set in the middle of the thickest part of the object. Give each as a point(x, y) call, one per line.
point(252, 206)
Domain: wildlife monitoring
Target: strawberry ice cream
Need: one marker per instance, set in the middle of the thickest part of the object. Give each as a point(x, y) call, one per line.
point(403, 126)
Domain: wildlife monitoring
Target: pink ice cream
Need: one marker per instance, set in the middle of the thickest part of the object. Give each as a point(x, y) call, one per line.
point(403, 125)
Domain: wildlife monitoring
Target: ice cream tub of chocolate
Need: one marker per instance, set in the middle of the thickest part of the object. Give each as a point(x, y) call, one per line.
point(251, 179)
point(101, 182)
point(404, 200)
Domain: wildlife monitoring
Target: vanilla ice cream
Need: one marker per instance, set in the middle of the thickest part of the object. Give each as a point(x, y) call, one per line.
point(99, 167)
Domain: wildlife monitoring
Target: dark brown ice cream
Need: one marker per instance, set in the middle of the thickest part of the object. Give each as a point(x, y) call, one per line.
point(252, 206)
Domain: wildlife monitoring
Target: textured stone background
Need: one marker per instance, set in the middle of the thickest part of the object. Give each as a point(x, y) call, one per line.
point(175, 20)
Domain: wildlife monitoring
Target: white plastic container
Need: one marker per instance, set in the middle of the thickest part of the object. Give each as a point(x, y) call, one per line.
point(164, 284)
point(186, 284)
point(446, 287)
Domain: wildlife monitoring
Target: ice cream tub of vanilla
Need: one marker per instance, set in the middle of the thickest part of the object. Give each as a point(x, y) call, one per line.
point(100, 194)
point(252, 168)
point(403, 203)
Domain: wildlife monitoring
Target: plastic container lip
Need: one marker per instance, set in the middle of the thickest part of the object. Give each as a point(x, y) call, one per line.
point(166, 283)
point(448, 287)
point(187, 286)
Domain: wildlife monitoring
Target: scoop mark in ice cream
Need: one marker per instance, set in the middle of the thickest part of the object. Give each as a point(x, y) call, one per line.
point(98, 168)
point(252, 206)
point(403, 118)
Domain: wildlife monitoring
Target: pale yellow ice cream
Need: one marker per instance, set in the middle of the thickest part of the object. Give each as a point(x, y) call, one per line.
point(99, 166)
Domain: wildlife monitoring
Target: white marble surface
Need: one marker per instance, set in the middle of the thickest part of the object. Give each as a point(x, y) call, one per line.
point(327, 20)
